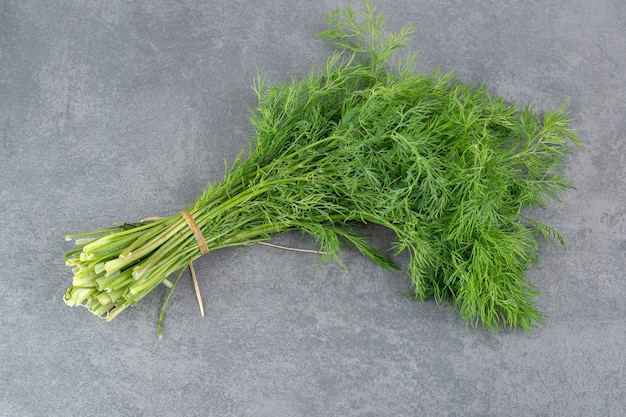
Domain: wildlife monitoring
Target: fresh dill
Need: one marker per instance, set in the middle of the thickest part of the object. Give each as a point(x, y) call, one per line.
point(445, 165)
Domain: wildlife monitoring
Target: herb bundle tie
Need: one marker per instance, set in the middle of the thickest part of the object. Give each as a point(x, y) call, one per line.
point(197, 233)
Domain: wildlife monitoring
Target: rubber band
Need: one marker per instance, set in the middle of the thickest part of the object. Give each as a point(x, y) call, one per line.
point(152, 219)
point(272, 245)
point(196, 288)
point(193, 226)
point(204, 249)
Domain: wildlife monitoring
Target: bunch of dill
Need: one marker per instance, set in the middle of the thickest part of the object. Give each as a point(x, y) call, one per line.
point(445, 165)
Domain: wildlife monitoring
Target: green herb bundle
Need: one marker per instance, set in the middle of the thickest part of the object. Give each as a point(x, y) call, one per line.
point(445, 165)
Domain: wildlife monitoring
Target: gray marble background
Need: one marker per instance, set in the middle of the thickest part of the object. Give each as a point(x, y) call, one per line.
point(118, 110)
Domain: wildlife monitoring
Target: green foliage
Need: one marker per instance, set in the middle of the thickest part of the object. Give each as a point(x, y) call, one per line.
point(445, 165)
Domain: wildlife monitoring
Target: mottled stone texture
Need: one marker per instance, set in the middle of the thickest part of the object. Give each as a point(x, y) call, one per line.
point(115, 111)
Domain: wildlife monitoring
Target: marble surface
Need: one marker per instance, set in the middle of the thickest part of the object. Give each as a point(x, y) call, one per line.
point(115, 111)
